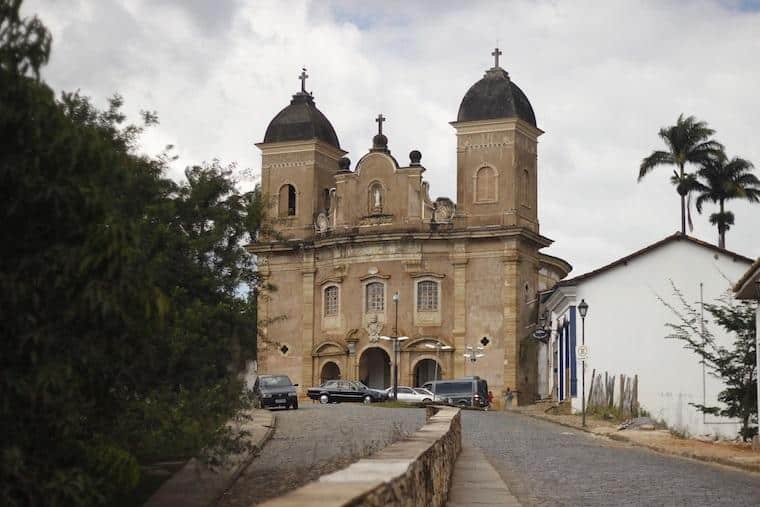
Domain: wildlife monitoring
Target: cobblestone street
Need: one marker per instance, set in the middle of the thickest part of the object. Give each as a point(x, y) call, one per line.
point(547, 464)
point(315, 440)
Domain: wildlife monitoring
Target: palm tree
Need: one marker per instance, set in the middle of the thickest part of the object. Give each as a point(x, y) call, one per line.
point(688, 141)
point(723, 180)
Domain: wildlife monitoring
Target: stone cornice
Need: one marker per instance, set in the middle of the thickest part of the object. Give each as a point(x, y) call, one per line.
point(485, 232)
point(290, 147)
point(495, 125)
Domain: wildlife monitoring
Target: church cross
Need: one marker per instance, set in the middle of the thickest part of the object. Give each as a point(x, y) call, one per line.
point(303, 77)
point(496, 54)
point(380, 119)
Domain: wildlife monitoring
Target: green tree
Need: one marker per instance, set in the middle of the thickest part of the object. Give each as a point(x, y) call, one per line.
point(723, 180)
point(687, 142)
point(126, 299)
point(734, 365)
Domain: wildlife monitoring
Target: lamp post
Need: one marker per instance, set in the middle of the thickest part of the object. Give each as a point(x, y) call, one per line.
point(438, 348)
point(395, 339)
point(473, 353)
point(583, 310)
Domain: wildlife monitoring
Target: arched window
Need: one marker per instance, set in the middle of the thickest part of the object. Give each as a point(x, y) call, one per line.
point(376, 198)
point(375, 297)
point(485, 184)
point(287, 201)
point(326, 199)
point(427, 296)
point(331, 301)
point(524, 186)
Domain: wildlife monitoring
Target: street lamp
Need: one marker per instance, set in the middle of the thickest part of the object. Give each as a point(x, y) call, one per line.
point(438, 348)
point(395, 339)
point(583, 310)
point(473, 354)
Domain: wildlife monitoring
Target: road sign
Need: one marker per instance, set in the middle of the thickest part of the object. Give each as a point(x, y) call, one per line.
point(582, 352)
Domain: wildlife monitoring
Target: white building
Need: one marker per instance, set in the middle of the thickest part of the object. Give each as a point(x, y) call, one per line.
point(626, 326)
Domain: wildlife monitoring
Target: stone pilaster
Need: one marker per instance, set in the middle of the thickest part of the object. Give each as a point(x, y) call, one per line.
point(459, 260)
point(511, 321)
point(307, 342)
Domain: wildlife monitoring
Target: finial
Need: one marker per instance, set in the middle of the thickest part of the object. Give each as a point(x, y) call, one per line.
point(380, 119)
point(303, 77)
point(496, 54)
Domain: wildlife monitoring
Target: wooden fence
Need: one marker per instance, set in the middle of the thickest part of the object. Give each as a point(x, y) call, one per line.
point(603, 396)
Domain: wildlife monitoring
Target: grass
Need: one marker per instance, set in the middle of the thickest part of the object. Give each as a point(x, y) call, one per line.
point(149, 484)
point(679, 433)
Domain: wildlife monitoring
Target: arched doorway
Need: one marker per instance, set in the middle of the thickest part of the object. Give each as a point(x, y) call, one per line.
point(425, 371)
point(330, 371)
point(375, 368)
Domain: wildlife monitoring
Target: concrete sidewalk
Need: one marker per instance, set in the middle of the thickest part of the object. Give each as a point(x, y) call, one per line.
point(477, 483)
point(195, 485)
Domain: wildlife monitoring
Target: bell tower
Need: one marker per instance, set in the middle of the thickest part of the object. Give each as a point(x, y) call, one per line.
point(497, 142)
point(299, 159)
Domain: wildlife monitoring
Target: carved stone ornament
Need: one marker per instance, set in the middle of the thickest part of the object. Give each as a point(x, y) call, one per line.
point(373, 329)
point(322, 223)
point(444, 210)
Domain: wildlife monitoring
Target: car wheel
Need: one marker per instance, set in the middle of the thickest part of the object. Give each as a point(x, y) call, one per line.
point(463, 404)
point(367, 399)
point(427, 400)
point(324, 399)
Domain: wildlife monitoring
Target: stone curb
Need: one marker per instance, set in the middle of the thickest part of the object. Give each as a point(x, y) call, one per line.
point(195, 485)
point(255, 452)
point(747, 467)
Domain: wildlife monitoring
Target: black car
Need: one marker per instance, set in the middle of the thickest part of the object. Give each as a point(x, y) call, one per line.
point(463, 392)
point(275, 391)
point(335, 391)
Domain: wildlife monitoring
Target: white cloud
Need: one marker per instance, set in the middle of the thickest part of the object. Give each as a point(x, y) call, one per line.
point(603, 77)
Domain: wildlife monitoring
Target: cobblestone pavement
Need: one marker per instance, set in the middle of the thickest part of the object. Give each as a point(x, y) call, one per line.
point(547, 464)
point(315, 440)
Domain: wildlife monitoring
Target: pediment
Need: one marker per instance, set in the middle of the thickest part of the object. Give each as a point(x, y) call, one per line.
point(376, 164)
point(329, 348)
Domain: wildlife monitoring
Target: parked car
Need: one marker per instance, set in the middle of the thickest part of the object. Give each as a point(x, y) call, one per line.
point(463, 392)
point(336, 391)
point(275, 391)
point(412, 395)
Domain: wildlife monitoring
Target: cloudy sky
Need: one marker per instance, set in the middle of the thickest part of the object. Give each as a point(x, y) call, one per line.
point(602, 76)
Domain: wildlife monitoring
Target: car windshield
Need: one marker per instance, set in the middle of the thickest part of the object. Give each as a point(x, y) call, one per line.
point(278, 381)
point(423, 392)
point(360, 385)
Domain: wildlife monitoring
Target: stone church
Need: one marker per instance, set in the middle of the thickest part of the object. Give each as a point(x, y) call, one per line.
point(359, 253)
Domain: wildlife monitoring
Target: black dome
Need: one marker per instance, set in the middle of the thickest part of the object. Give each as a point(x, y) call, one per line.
point(495, 96)
point(301, 121)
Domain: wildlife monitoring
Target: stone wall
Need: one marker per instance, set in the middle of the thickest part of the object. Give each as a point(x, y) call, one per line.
point(414, 471)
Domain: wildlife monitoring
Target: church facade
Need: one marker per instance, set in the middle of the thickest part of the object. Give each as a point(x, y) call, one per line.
point(355, 254)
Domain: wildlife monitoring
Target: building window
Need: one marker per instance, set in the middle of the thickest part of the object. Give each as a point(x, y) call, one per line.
point(326, 199)
point(376, 198)
point(525, 184)
point(375, 293)
point(331, 301)
point(485, 184)
point(427, 296)
point(287, 201)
